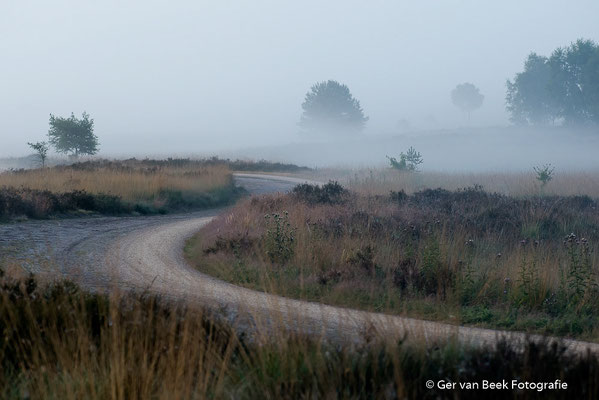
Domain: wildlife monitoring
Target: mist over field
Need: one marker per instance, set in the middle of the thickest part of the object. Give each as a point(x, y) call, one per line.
point(192, 78)
point(273, 199)
point(468, 149)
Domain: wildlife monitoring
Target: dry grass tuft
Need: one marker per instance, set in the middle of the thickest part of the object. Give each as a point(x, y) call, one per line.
point(131, 180)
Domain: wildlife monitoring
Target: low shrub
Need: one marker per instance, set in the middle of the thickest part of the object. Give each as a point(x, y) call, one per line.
point(330, 193)
point(17, 202)
point(428, 255)
point(279, 238)
point(43, 203)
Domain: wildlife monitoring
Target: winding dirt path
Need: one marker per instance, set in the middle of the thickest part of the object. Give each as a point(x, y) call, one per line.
point(145, 253)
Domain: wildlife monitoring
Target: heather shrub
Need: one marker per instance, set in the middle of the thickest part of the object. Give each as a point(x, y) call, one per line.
point(465, 256)
point(279, 238)
point(330, 193)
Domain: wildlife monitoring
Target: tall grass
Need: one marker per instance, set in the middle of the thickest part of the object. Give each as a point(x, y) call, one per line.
point(132, 181)
point(466, 257)
point(116, 187)
point(58, 342)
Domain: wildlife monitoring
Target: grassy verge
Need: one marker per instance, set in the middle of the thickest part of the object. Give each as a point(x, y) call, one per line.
point(379, 181)
point(465, 257)
point(115, 187)
point(57, 341)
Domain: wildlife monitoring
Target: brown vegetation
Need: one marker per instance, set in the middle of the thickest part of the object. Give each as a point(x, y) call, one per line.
point(57, 341)
point(132, 180)
point(468, 256)
point(381, 181)
point(115, 187)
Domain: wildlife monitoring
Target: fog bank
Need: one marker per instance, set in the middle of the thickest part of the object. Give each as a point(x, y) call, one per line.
point(199, 77)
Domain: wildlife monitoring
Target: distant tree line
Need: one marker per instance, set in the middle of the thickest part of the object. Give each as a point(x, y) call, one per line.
point(562, 88)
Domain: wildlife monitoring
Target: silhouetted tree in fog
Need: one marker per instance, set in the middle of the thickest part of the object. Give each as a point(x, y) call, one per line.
point(330, 106)
point(563, 87)
point(467, 98)
point(527, 98)
point(73, 135)
point(574, 84)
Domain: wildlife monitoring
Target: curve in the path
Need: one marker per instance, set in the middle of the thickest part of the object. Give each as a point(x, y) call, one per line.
point(145, 253)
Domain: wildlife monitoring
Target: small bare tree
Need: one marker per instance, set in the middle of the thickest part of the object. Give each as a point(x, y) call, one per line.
point(41, 149)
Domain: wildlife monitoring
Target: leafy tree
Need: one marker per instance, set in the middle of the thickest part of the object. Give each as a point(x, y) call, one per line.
point(41, 149)
point(467, 97)
point(330, 106)
point(590, 81)
point(73, 135)
point(563, 87)
point(574, 81)
point(528, 99)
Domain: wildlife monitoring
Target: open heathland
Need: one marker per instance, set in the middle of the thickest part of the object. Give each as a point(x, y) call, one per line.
point(116, 187)
point(466, 256)
point(380, 181)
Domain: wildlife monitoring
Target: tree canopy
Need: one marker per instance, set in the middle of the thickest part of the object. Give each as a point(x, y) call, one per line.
point(73, 135)
point(330, 106)
point(467, 97)
point(563, 87)
point(527, 97)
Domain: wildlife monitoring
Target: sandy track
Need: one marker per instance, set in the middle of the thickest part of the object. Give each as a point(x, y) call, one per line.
point(146, 254)
point(153, 259)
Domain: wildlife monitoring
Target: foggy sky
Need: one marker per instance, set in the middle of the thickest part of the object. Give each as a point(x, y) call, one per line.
point(197, 76)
